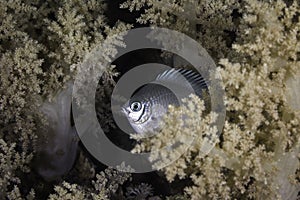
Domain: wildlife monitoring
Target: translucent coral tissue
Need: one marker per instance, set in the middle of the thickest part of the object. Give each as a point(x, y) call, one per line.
point(57, 144)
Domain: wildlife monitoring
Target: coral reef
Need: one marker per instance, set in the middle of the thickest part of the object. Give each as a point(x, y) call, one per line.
point(42, 43)
point(256, 45)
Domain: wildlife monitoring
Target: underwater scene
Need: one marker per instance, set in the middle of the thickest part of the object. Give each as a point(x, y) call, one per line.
point(149, 100)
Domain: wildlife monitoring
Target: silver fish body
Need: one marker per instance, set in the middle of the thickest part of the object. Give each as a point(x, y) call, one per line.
point(149, 103)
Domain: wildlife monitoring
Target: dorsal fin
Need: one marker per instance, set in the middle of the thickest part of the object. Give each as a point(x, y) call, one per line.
point(182, 76)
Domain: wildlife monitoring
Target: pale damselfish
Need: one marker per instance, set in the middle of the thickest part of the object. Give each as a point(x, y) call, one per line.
point(149, 103)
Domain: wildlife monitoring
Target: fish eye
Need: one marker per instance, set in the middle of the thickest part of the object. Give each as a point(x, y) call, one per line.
point(136, 106)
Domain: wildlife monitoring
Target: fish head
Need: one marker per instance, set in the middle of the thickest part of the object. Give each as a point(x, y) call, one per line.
point(143, 116)
point(138, 112)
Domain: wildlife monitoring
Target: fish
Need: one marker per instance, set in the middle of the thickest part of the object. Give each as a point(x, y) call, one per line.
point(149, 103)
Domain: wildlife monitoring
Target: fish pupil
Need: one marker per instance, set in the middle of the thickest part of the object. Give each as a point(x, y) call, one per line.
point(136, 106)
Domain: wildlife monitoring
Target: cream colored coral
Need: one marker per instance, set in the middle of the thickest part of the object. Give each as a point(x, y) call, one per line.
point(262, 99)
